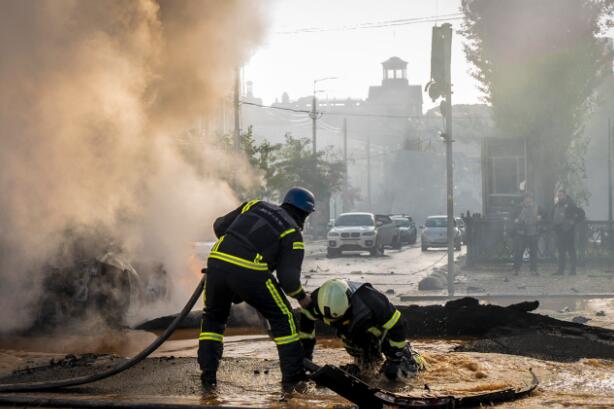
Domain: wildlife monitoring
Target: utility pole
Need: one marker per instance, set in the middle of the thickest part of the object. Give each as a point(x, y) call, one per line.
point(610, 229)
point(314, 119)
point(450, 192)
point(237, 109)
point(344, 201)
point(369, 170)
point(314, 113)
point(441, 87)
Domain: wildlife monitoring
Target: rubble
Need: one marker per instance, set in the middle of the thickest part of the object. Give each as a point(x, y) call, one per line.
point(437, 280)
point(580, 319)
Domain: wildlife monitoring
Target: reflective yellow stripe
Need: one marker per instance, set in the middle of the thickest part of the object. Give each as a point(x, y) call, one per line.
point(284, 234)
point(249, 205)
point(420, 361)
point(211, 336)
point(237, 261)
point(282, 306)
point(393, 320)
point(307, 335)
point(375, 331)
point(293, 293)
point(306, 313)
point(397, 344)
point(217, 244)
point(286, 340)
point(298, 245)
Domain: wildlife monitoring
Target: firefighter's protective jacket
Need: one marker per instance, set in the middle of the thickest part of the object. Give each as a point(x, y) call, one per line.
point(371, 324)
point(261, 236)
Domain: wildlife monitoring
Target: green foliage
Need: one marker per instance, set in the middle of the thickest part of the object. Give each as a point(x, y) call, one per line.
point(298, 166)
point(263, 158)
point(282, 166)
point(539, 63)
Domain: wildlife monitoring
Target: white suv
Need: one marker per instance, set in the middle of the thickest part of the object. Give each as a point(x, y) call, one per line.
point(359, 232)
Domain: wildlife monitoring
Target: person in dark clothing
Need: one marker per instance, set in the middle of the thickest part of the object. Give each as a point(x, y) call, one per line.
point(564, 219)
point(256, 239)
point(527, 230)
point(367, 323)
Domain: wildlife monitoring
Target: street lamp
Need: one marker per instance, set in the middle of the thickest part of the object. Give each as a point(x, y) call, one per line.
point(314, 113)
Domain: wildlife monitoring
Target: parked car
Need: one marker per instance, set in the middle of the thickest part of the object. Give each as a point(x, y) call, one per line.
point(435, 233)
point(407, 228)
point(359, 231)
point(460, 223)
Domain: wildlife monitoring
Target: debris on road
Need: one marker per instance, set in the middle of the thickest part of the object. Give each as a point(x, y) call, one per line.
point(580, 319)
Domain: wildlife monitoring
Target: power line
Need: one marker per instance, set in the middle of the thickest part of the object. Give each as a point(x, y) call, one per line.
point(273, 107)
point(370, 115)
point(330, 112)
point(379, 24)
point(358, 114)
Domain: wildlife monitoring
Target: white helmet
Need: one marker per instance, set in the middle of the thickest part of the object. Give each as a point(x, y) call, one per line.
point(334, 298)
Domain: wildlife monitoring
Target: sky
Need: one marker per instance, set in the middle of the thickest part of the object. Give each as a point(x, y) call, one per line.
point(289, 61)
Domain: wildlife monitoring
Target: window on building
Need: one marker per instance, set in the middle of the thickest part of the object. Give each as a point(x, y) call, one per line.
point(390, 74)
point(399, 74)
point(508, 173)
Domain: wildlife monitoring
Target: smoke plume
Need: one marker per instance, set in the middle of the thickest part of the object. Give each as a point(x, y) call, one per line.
point(93, 95)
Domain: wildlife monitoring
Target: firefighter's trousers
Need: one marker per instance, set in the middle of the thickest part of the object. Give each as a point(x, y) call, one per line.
point(227, 284)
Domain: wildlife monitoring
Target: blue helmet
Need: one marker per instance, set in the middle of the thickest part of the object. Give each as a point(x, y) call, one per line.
point(301, 198)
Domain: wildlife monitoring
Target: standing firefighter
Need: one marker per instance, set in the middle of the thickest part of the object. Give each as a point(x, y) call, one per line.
point(254, 240)
point(368, 324)
point(564, 219)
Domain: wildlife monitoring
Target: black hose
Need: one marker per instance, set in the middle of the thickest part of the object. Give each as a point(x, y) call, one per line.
point(99, 404)
point(81, 380)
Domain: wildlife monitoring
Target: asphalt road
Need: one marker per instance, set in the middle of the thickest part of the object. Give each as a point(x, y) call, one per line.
point(397, 272)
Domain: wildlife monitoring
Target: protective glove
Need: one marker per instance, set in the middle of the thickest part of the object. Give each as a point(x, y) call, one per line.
point(354, 350)
point(391, 368)
point(403, 364)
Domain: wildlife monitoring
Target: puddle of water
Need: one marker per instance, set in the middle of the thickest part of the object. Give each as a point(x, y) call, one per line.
point(249, 374)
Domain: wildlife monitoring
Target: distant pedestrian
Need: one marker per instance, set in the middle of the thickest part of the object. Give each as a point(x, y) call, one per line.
point(564, 219)
point(527, 224)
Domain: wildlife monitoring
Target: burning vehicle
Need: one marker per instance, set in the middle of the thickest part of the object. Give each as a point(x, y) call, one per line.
point(91, 278)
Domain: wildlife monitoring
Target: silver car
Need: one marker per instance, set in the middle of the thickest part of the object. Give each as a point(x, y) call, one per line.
point(435, 233)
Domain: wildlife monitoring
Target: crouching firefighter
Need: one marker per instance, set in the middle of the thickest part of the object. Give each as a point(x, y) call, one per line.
point(367, 323)
point(254, 240)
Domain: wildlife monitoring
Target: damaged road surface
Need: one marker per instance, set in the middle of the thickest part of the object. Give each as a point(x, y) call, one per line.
point(249, 377)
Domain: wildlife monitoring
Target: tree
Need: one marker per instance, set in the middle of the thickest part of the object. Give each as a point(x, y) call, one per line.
point(321, 173)
point(263, 158)
point(298, 166)
point(282, 166)
point(539, 63)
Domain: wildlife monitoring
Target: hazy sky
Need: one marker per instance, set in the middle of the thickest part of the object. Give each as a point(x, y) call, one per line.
point(290, 62)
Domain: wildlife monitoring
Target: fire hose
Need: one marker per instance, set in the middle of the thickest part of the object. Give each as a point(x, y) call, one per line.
point(81, 380)
point(332, 377)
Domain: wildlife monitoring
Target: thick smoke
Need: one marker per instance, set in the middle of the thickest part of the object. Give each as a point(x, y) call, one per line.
point(92, 97)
